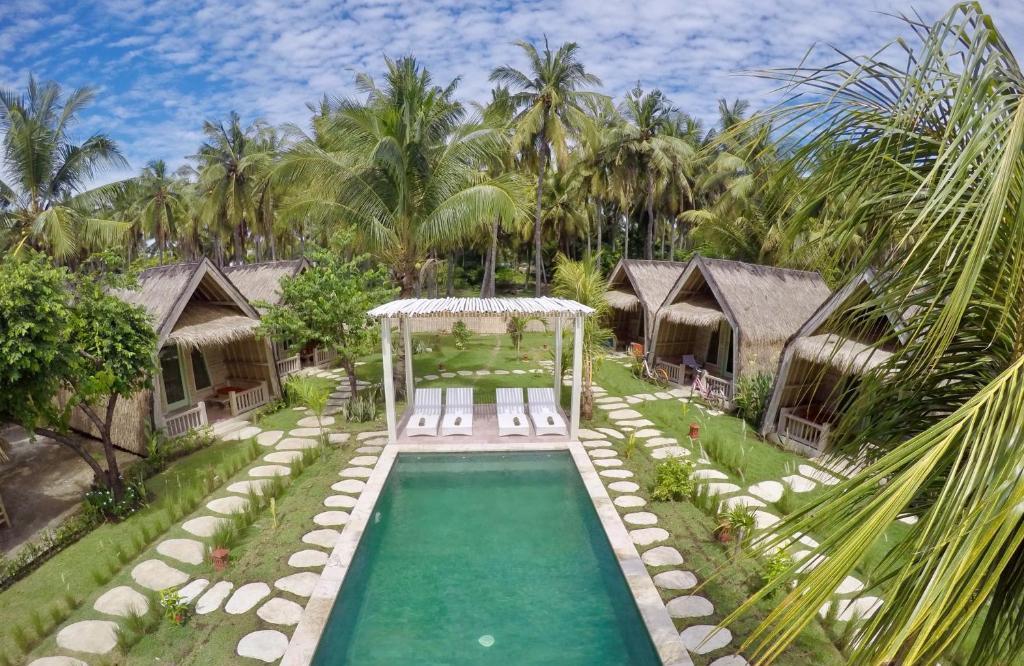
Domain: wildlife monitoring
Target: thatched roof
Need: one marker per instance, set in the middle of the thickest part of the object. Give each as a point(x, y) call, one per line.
point(202, 324)
point(160, 289)
point(262, 282)
point(622, 300)
point(650, 281)
point(697, 311)
point(843, 354)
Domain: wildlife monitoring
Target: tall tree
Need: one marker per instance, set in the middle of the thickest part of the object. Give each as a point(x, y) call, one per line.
point(550, 98)
point(44, 200)
point(159, 204)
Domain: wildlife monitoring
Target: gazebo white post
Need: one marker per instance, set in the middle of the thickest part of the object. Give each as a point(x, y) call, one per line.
point(577, 378)
point(389, 380)
point(410, 383)
point(558, 360)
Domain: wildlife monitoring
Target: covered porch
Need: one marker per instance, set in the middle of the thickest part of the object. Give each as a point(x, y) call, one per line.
point(694, 338)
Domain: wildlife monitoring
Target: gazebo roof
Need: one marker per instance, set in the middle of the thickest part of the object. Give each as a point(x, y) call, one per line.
point(481, 307)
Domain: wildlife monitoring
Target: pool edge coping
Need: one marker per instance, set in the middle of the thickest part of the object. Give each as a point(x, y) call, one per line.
point(664, 636)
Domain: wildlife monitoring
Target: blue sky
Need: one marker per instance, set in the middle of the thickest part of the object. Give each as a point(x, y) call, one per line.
point(163, 67)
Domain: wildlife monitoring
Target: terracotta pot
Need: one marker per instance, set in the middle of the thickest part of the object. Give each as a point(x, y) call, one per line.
point(220, 558)
point(724, 534)
point(694, 431)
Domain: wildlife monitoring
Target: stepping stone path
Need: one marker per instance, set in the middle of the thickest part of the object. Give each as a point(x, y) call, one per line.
point(246, 597)
point(325, 538)
point(850, 585)
point(731, 660)
point(311, 422)
point(675, 580)
point(307, 432)
point(156, 575)
point(670, 452)
point(629, 501)
point(280, 611)
point(188, 551)
point(331, 518)
point(228, 505)
point(266, 645)
point(818, 475)
point(189, 593)
point(799, 484)
point(91, 636)
point(269, 470)
point(363, 461)
point(203, 526)
point(356, 472)
point(662, 556)
point(709, 474)
point(214, 597)
point(283, 457)
point(648, 535)
point(623, 486)
point(269, 437)
point(300, 584)
point(307, 558)
point(640, 518)
point(614, 434)
point(246, 432)
point(715, 488)
point(620, 414)
point(616, 474)
point(769, 491)
point(296, 444)
point(123, 601)
point(608, 462)
point(742, 500)
point(340, 501)
point(349, 486)
point(704, 638)
point(58, 661)
point(603, 453)
point(370, 449)
point(689, 606)
point(245, 487)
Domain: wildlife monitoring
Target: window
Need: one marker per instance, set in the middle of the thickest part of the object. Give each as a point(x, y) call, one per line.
point(170, 371)
point(712, 354)
point(200, 373)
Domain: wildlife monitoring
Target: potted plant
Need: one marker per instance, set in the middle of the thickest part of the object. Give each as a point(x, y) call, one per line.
point(737, 522)
point(175, 608)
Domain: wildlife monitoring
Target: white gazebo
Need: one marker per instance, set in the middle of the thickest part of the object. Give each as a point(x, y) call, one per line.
point(404, 311)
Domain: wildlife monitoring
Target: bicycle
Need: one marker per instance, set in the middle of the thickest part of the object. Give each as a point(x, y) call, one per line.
point(655, 375)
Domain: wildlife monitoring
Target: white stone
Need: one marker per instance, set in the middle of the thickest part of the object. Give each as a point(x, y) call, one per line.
point(675, 579)
point(640, 518)
point(283, 457)
point(731, 660)
point(799, 484)
point(908, 520)
point(613, 405)
point(156, 575)
point(269, 438)
point(741, 500)
point(602, 453)
point(862, 608)
point(586, 433)
point(189, 593)
point(648, 535)
point(363, 461)
point(356, 472)
point(646, 433)
point(300, 584)
point(623, 486)
point(662, 556)
point(331, 518)
point(280, 611)
point(629, 501)
point(228, 505)
point(266, 645)
point(662, 441)
point(709, 474)
point(370, 449)
point(246, 597)
point(517, 371)
point(92, 636)
point(307, 558)
point(850, 585)
point(634, 400)
point(370, 434)
point(620, 414)
point(214, 597)
point(596, 443)
point(349, 486)
point(819, 475)
point(501, 372)
point(188, 551)
point(325, 538)
point(242, 433)
point(611, 432)
point(669, 452)
point(307, 432)
point(690, 606)
point(716, 488)
point(262, 471)
point(638, 423)
point(123, 601)
point(447, 375)
point(296, 444)
point(763, 520)
point(769, 491)
point(254, 486)
point(203, 526)
point(338, 437)
point(704, 638)
point(340, 502)
point(608, 462)
point(616, 474)
point(311, 422)
point(58, 661)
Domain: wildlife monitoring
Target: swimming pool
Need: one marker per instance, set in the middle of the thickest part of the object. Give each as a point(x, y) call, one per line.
point(484, 558)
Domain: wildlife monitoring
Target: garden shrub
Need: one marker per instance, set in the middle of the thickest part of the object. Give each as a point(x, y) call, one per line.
point(751, 399)
point(673, 480)
point(461, 334)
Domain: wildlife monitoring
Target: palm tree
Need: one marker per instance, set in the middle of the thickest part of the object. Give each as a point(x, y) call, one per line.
point(550, 99)
point(44, 203)
point(158, 204)
point(926, 153)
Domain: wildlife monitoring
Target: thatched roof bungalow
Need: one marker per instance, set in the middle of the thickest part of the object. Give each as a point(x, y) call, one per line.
point(211, 363)
point(637, 290)
point(731, 318)
point(823, 362)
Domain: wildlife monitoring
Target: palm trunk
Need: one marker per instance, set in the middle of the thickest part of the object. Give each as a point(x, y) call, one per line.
point(625, 239)
point(649, 241)
point(450, 277)
point(599, 210)
point(542, 163)
point(487, 290)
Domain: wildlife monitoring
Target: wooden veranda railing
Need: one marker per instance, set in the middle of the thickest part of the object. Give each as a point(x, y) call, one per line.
point(803, 431)
point(190, 419)
point(243, 401)
point(287, 366)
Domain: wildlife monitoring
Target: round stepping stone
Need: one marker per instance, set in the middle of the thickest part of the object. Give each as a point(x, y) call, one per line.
point(245, 597)
point(189, 593)
point(300, 584)
point(188, 551)
point(648, 535)
point(349, 486)
point(325, 538)
point(638, 423)
point(819, 475)
point(618, 404)
point(709, 474)
point(363, 461)
point(799, 484)
point(669, 452)
point(307, 558)
point(629, 501)
point(614, 434)
point(242, 433)
point(269, 437)
point(616, 474)
point(662, 556)
point(587, 433)
point(501, 372)
point(634, 399)
point(156, 575)
point(338, 437)
point(123, 601)
point(245, 487)
point(58, 661)
point(623, 486)
point(228, 505)
point(769, 491)
point(603, 453)
point(704, 638)
point(644, 433)
point(620, 414)
point(266, 645)
point(331, 518)
point(311, 422)
point(263, 471)
point(92, 636)
point(340, 501)
point(764, 520)
point(214, 597)
point(850, 585)
point(280, 611)
point(608, 462)
point(356, 472)
point(662, 441)
point(296, 444)
point(372, 450)
point(307, 432)
point(283, 457)
point(675, 580)
point(370, 434)
point(203, 526)
point(690, 606)
point(731, 660)
point(596, 443)
point(716, 488)
point(741, 500)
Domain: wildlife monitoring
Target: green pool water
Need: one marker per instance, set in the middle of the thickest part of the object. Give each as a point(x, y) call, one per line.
point(495, 558)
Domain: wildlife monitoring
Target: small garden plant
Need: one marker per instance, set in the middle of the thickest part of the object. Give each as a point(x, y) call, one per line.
point(175, 609)
point(461, 334)
point(673, 481)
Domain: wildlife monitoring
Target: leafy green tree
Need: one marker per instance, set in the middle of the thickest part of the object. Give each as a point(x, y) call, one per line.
point(159, 204)
point(550, 100)
point(44, 203)
point(327, 304)
point(69, 345)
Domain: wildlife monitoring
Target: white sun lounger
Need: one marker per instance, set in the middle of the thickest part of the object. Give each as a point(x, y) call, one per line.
point(458, 412)
point(512, 413)
point(544, 413)
point(426, 413)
